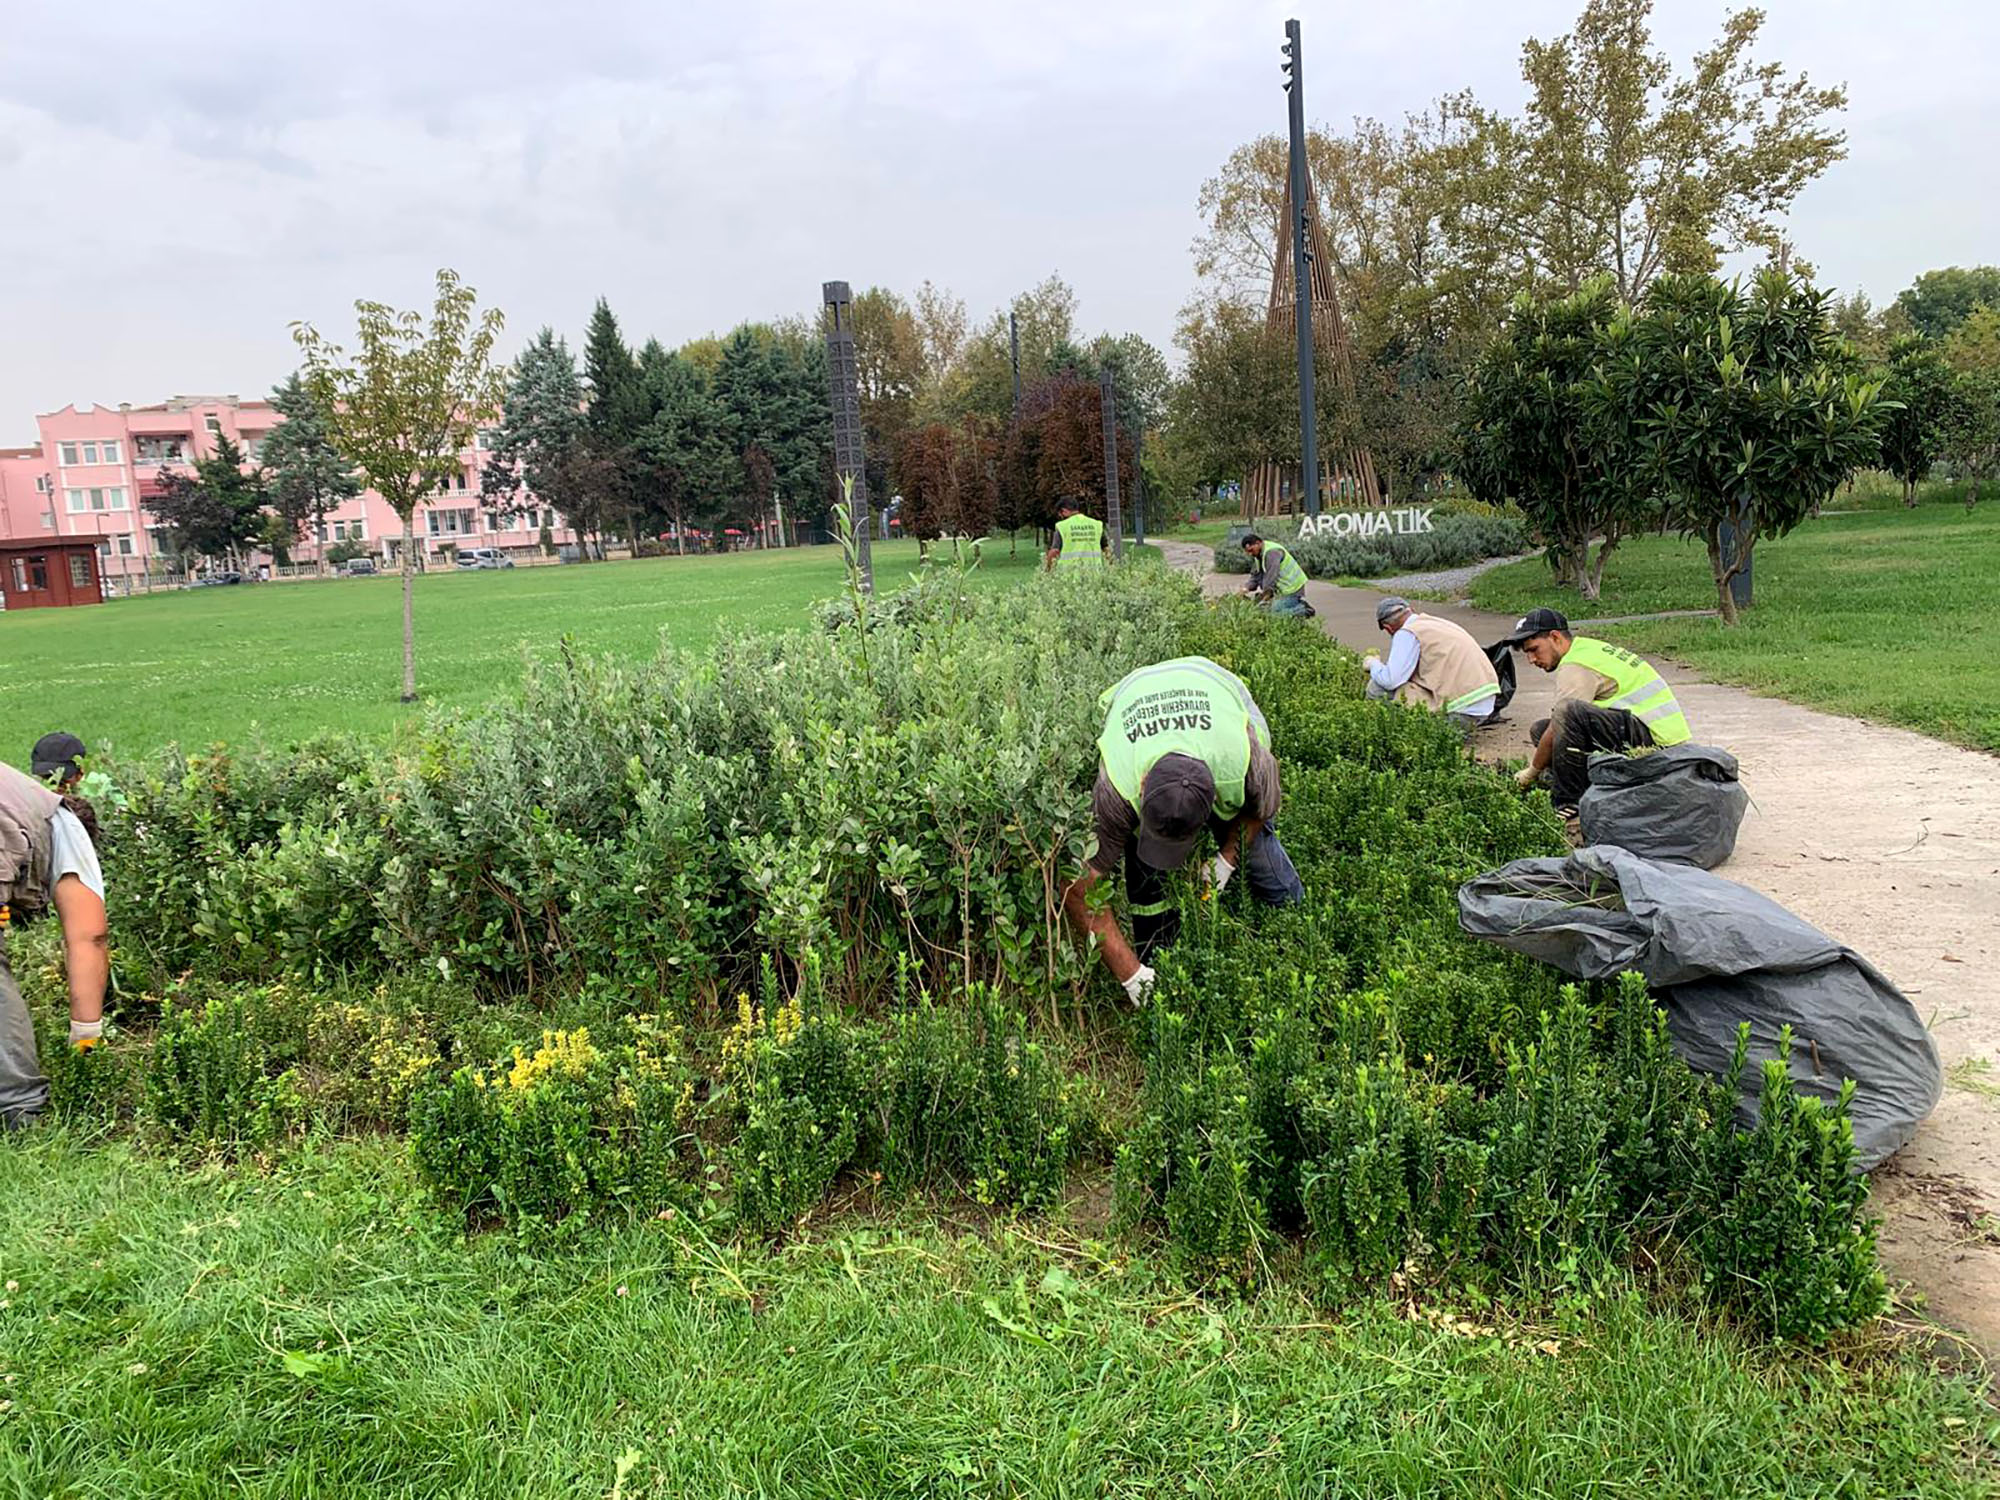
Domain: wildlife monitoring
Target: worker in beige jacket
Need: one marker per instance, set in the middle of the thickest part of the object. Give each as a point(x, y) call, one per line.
point(48, 863)
point(1435, 663)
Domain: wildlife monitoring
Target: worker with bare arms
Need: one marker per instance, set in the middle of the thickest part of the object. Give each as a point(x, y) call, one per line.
point(1184, 748)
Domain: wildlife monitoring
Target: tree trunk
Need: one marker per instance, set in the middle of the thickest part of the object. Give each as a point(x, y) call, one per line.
point(1604, 550)
point(1725, 604)
point(409, 616)
point(1909, 494)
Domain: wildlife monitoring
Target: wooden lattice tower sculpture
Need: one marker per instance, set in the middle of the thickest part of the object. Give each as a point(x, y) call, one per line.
point(1352, 472)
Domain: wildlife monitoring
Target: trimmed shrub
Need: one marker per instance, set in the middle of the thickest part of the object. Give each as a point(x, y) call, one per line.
point(1452, 542)
point(566, 1131)
point(1783, 1230)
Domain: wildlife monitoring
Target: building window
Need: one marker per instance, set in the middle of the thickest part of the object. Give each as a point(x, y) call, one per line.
point(111, 453)
point(214, 425)
point(167, 450)
point(42, 484)
point(344, 531)
point(30, 574)
point(79, 570)
point(118, 543)
point(484, 439)
point(96, 498)
point(66, 452)
point(253, 448)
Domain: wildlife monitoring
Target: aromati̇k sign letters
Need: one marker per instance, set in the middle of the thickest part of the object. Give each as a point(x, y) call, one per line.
point(1408, 520)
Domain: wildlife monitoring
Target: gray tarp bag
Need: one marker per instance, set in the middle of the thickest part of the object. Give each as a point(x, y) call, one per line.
point(1717, 954)
point(1680, 802)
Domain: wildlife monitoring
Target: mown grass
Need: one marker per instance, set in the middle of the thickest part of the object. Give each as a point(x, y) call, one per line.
point(197, 1331)
point(1884, 614)
point(285, 660)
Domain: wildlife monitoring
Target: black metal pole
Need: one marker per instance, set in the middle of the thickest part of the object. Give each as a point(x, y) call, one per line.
point(1112, 516)
point(1014, 346)
point(1302, 269)
point(1139, 484)
point(843, 392)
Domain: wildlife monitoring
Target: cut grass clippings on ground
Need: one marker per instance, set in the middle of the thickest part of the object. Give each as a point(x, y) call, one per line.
point(177, 1333)
point(1888, 615)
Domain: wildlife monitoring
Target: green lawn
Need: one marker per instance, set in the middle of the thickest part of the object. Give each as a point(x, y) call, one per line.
point(287, 659)
point(190, 1331)
point(1886, 614)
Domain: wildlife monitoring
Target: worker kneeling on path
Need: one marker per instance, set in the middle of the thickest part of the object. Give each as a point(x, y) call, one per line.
point(48, 862)
point(1277, 581)
point(1606, 699)
point(1184, 748)
point(1079, 540)
point(1434, 663)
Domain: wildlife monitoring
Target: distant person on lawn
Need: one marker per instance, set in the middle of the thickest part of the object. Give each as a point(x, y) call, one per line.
point(48, 862)
point(1184, 748)
point(1435, 663)
point(1080, 541)
point(1606, 699)
point(1276, 580)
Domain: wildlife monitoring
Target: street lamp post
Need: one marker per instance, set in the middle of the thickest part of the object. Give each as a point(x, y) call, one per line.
point(1302, 267)
point(843, 391)
point(1112, 517)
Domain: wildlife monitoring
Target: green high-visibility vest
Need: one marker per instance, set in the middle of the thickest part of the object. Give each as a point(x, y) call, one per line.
point(1187, 706)
point(1082, 542)
point(1290, 576)
point(1640, 690)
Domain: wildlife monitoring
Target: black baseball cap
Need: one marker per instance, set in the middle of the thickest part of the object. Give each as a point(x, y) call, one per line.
point(1537, 622)
point(1175, 802)
point(58, 752)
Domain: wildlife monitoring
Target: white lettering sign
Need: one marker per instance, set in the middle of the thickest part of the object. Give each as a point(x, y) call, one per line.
point(1408, 520)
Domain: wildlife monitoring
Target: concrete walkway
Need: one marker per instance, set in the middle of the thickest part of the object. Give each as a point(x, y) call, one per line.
point(1889, 842)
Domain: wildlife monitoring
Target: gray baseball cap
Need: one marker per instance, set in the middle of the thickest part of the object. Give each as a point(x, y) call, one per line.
point(1390, 607)
point(1175, 803)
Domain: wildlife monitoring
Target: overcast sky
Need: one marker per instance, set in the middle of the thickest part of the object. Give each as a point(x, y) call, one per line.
point(179, 184)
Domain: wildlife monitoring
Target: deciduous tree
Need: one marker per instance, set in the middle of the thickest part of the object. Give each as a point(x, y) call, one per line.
point(1522, 435)
point(405, 404)
point(1745, 410)
point(216, 509)
point(1921, 397)
point(1938, 301)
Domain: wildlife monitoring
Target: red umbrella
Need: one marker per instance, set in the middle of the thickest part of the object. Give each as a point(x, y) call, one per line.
point(731, 531)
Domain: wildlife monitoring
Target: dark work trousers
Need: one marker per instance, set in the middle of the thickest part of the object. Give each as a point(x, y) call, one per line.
point(1156, 919)
point(1583, 730)
point(23, 1088)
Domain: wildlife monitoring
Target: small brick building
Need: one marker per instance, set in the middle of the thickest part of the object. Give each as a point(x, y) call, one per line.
point(56, 571)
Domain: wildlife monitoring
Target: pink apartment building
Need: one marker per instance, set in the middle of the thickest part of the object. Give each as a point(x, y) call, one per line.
point(92, 472)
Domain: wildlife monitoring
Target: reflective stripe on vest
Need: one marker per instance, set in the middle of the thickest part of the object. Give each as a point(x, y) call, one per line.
point(1479, 694)
point(1639, 689)
point(1291, 577)
point(1082, 542)
point(1188, 706)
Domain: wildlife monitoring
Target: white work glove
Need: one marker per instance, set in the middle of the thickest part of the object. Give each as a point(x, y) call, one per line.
point(1371, 660)
point(1526, 777)
point(1219, 871)
point(83, 1035)
point(1140, 985)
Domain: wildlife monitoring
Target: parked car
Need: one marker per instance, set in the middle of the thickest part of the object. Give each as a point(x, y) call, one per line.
point(360, 567)
point(214, 580)
point(482, 557)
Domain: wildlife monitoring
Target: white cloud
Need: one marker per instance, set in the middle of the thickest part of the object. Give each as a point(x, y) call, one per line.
point(178, 196)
